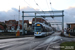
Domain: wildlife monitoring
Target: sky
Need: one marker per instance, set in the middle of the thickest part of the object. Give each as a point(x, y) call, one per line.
point(9, 9)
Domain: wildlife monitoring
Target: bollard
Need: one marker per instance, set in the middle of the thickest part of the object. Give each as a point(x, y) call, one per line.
point(69, 34)
point(18, 33)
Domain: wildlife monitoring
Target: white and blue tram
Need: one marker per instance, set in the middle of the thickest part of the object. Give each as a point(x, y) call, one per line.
point(41, 29)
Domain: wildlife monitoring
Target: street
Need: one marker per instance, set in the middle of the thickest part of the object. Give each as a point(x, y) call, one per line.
point(29, 43)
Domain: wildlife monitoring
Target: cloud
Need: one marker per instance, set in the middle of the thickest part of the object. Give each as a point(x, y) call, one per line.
point(13, 13)
point(69, 15)
point(15, 9)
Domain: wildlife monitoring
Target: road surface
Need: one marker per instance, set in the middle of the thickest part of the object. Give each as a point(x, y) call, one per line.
point(29, 43)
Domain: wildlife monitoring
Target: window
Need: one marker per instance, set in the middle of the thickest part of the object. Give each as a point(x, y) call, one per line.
point(37, 29)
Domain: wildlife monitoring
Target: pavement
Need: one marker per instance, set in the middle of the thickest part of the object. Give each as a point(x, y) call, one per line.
point(7, 37)
point(55, 45)
point(46, 43)
point(67, 35)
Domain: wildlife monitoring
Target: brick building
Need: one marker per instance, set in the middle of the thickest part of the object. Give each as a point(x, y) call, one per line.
point(70, 25)
point(25, 21)
point(2, 26)
point(13, 24)
point(39, 20)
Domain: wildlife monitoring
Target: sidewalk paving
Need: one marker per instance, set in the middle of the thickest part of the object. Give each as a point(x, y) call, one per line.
point(67, 35)
point(6, 37)
point(65, 38)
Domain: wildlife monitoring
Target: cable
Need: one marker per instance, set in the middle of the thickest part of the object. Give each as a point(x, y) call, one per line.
point(28, 3)
point(37, 5)
point(52, 11)
point(51, 8)
point(47, 3)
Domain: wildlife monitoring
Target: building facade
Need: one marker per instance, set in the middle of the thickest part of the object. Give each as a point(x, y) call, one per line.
point(70, 25)
point(13, 24)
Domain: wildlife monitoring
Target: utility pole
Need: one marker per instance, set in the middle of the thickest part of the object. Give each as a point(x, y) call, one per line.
point(35, 17)
point(18, 32)
point(19, 19)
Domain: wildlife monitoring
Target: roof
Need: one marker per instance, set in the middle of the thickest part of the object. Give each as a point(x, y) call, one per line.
point(1, 27)
point(70, 23)
point(12, 20)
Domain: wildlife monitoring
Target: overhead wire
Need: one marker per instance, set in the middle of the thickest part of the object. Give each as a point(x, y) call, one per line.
point(51, 9)
point(53, 13)
point(36, 4)
point(39, 6)
point(47, 4)
point(28, 4)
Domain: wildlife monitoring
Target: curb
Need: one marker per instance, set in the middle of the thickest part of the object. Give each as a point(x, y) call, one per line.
point(63, 35)
point(7, 37)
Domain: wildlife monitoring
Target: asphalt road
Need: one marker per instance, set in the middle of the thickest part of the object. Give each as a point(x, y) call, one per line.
point(28, 43)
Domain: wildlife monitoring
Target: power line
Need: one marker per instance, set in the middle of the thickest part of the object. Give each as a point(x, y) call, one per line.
point(47, 3)
point(28, 3)
point(37, 5)
point(51, 9)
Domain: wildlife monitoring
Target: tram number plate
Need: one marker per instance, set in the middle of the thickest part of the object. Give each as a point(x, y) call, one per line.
point(37, 32)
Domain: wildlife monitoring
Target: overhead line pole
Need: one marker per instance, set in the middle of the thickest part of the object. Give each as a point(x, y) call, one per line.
point(35, 17)
point(62, 15)
point(19, 18)
point(22, 22)
point(62, 21)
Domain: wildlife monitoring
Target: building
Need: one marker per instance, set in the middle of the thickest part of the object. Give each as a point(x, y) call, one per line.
point(26, 24)
point(71, 25)
point(39, 20)
point(1, 27)
point(13, 24)
point(71, 28)
point(30, 27)
point(25, 21)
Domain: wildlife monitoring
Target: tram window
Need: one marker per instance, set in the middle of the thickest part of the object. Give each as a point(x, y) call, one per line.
point(43, 29)
point(37, 29)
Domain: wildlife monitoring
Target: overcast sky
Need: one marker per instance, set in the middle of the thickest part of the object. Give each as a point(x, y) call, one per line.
point(9, 8)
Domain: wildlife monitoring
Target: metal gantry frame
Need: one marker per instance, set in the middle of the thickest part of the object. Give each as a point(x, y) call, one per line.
point(47, 12)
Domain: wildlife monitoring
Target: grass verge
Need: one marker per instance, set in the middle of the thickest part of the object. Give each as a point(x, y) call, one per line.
point(67, 46)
